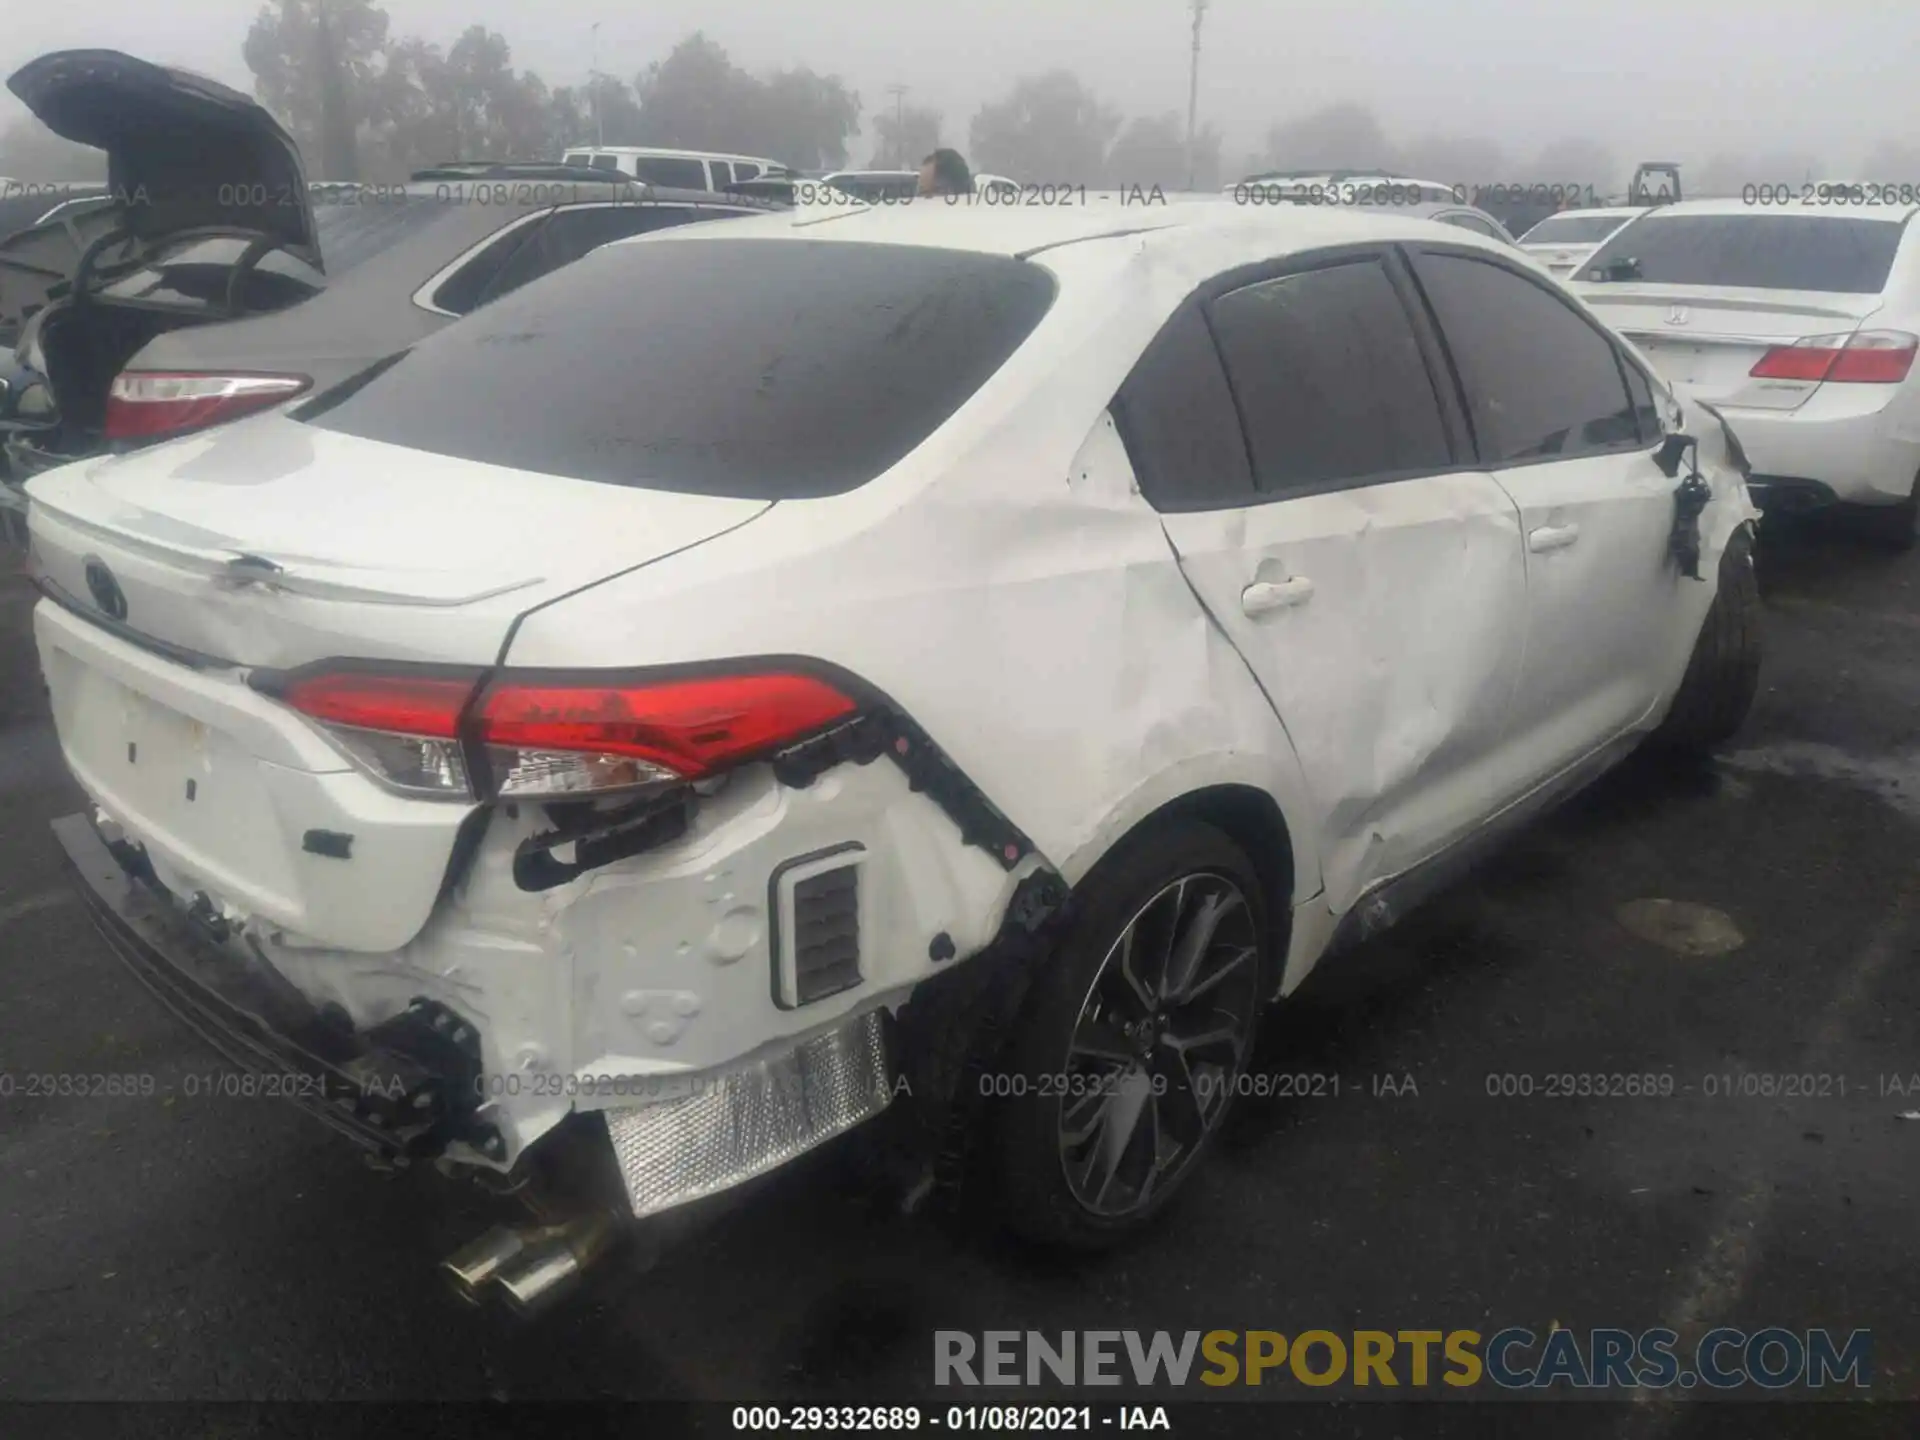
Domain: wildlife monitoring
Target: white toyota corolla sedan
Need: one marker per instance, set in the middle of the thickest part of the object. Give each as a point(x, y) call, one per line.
point(948, 661)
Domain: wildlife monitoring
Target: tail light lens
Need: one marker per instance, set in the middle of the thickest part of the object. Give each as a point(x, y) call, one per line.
point(151, 404)
point(1866, 357)
point(559, 737)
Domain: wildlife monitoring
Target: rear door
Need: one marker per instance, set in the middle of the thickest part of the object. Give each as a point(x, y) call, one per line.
point(1706, 295)
point(1370, 576)
point(1557, 422)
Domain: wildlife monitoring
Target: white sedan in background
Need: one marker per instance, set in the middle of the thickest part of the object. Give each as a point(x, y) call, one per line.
point(1560, 242)
point(1799, 324)
point(995, 649)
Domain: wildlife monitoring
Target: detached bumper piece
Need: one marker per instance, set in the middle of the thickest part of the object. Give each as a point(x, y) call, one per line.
point(404, 1090)
point(744, 1122)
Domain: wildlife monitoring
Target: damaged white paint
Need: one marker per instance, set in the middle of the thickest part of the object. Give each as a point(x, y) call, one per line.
point(1080, 658)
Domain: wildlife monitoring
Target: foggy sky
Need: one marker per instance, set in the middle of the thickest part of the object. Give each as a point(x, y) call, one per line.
point(1669, 79)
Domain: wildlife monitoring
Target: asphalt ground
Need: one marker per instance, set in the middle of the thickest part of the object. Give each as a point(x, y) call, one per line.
point(231, 1249)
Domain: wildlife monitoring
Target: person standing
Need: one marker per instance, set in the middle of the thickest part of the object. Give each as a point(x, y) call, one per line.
point(945, 173)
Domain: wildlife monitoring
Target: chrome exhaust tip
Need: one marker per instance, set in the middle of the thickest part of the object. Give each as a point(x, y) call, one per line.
point(471, 1268)
point(530, 1269)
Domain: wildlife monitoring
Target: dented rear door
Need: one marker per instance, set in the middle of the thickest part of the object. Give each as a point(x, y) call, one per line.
point(1375, 589)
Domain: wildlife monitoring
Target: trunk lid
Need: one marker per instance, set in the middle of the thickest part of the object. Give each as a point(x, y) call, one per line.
point(1709, 339)
point(183, 152)
point(270, 542)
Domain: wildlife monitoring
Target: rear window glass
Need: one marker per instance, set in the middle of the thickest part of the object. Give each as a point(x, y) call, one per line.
point(1575, 229)
point(1761, 252)
point(763, 369)
point(351, 234)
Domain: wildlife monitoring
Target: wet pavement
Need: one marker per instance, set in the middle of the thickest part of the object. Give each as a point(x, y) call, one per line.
point(232, 1249)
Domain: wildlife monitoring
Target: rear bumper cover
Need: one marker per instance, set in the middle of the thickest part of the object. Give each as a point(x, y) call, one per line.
point(1861, 459)
point(404, 1090)
point(410, 1087)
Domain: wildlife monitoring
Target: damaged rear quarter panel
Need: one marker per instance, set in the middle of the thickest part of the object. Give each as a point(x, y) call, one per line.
point(1004, 585)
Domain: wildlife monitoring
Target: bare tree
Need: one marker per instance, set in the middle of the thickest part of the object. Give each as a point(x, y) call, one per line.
point(903, 140)
point(1050, 129)
point(1343, 136)
point(1153, 151)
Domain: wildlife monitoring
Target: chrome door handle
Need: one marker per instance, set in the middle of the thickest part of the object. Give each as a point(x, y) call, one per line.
point(1552, 537)
point(1261, 597)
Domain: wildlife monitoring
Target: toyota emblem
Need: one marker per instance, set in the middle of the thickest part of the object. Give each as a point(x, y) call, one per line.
point(105, 590)
point(1677, 315)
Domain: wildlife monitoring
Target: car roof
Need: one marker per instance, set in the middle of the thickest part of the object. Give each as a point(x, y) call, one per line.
point(665, 152)
point(1805, 212)
point(1019, 231)
point(1600, 212)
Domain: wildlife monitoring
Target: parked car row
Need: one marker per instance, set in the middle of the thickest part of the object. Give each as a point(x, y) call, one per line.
point(136, 321)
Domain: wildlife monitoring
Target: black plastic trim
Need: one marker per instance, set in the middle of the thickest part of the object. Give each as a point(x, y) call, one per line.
point(403, 1090)
point(121, 630)
point(878, 727)
point(845, 847)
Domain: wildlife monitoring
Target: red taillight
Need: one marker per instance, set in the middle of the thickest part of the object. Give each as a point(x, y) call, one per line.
point(687, 728)
point(561, 736)
point(423, 705)
point(1867, 357)
point(148, 404)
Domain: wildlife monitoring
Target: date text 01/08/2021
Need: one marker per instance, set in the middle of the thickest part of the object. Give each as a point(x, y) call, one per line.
point(993, 1419)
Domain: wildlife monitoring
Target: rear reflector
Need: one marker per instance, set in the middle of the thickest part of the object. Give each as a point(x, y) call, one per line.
point(566, 736)
point(1867, 357)
point(151, 404)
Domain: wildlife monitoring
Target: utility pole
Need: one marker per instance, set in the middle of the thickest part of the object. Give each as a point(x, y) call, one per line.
point(1193, 86)
point(593, 90)
point(899, 93)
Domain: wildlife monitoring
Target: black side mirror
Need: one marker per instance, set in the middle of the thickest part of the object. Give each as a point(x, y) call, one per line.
point(1672, 451)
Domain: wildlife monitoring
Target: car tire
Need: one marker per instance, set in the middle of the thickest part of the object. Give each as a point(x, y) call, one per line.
point(1723, 675)
point(1093, 1122)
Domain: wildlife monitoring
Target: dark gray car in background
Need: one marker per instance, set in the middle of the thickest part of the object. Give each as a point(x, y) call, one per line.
point(219, 282)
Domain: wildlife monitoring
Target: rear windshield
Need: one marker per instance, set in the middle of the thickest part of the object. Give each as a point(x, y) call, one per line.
point(1761, 252)
point(762, 369)
point(1570, 229)
point(350, 234)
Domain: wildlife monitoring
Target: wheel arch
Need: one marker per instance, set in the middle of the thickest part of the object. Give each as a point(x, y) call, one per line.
point(1250, 815)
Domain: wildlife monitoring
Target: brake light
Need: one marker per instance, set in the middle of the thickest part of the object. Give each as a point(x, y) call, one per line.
point(149, 404)
point(560, 736)
point(403, 727)
point(544, 737)
point(1866, 357)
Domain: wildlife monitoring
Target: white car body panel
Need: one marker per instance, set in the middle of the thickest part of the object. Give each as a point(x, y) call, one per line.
point(1562, 258)
point(1072, 652)
point(441, 578)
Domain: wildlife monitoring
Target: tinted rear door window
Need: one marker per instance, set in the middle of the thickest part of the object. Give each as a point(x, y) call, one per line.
point(1833, 253)
point(671, 172)
point(1331, 384)
point(764, 369)
point(1176, 415)
point(1541, 382)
